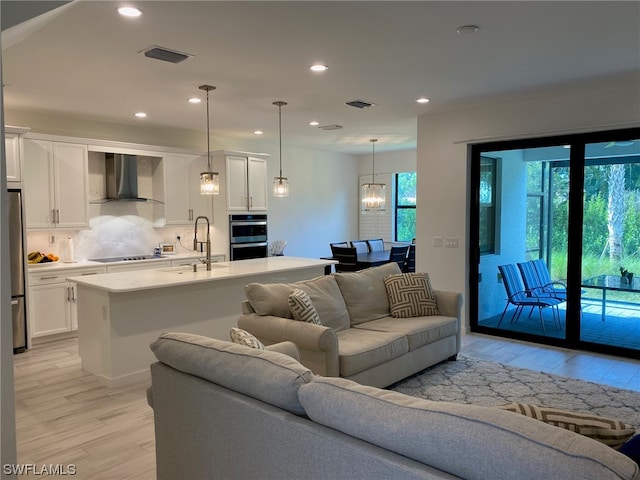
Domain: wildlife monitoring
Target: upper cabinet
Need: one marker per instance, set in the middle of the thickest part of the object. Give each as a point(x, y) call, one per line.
point(183, 202)
point(246, 183)
point(55, 184)
point(12, 144)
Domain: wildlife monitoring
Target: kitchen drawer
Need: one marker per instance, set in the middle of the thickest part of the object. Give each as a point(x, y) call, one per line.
point(60, 275)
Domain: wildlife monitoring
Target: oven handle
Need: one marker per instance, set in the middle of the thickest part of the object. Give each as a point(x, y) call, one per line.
point(243, 223)
point(246, 245)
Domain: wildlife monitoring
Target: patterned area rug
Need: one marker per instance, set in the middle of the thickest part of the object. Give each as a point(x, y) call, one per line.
point(479, 382)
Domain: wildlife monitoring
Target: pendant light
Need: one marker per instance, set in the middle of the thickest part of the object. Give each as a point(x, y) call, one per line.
point(373, 194)
point(209, 180)
point(280, 183)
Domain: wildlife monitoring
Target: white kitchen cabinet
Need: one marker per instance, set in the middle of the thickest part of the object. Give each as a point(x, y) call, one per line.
point(53, 300)
point(183, 202)
point(246, 182)
point(12, 149)
point(56, 183)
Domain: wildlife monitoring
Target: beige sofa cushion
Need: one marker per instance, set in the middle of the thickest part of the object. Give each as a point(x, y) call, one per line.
point(360, 349)
point(273, 299)
point(419, 330)
point(364, 292)
point(268, 376)
point(468, 441)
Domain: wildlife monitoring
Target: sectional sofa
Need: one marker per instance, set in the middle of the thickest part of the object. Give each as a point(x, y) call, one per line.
point(229, 411)
point(358, 338)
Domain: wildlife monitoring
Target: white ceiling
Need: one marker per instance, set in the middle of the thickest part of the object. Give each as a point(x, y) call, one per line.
point(85, 61)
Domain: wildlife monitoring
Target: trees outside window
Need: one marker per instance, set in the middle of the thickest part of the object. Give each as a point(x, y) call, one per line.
point(405, 206)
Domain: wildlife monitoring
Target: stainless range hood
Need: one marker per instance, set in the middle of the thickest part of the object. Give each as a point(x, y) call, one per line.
point(122, 179)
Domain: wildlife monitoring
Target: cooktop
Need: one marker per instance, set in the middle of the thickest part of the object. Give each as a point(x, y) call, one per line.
point(123, 259)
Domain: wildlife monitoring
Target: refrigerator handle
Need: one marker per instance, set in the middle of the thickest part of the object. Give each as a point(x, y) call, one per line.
point(14, 302)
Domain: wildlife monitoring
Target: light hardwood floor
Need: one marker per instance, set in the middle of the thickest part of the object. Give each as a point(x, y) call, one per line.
point(64, 416)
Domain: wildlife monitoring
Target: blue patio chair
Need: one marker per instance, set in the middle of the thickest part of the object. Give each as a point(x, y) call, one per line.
point(520, 297)
point(534, 283)
point(556, 288)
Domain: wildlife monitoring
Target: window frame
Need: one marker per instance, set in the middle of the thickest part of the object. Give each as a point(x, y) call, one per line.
point(397, 206)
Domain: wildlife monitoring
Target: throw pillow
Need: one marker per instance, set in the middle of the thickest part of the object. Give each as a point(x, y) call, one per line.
point(242, 337)
point(302, 308)
point(410, 295)
point(605, 430)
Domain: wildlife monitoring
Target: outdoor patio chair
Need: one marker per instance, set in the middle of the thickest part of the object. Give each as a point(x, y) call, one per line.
point(534, 283)
point(520, 297)
point(557, 288)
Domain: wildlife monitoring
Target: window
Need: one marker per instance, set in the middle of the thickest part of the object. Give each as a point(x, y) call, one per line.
point(405, 206)
point(487, 207)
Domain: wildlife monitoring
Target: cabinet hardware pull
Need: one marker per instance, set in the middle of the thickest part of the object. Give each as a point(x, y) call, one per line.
point(53, 216)
point(88, 273)
point(48, 278)
point(68, 294)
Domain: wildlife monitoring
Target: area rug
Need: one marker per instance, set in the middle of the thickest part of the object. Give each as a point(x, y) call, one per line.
point(480, 382)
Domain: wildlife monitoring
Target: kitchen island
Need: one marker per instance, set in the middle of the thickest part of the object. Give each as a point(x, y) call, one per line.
point(120, 314)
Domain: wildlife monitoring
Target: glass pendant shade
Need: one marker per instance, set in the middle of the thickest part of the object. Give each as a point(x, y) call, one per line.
point(373, 197)
point(373, 194)
point(280, 187)
point(280, 183)
point(209, 183)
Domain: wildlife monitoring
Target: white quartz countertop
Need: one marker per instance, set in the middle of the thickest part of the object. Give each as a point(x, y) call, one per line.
point(120, 282)
point(38, 267)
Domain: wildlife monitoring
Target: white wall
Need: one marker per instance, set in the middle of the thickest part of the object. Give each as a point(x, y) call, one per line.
point(443, 140)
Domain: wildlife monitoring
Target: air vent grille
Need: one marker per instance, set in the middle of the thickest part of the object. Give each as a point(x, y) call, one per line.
point(165, 54)
point(330, 127)
point(359, 104)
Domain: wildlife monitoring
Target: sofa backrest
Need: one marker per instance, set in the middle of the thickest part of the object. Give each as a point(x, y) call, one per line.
point(364, 292)
point(268, 376)
point(469, 441)
point(272, 299)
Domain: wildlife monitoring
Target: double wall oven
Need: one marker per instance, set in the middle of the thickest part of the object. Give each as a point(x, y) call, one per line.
point(247, 236)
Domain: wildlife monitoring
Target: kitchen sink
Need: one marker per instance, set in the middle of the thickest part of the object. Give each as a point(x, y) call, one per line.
point(189, 268)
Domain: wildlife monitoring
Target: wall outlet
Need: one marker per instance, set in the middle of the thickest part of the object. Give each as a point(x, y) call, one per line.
point(52, 239)
point(438, 241)
point(451, 242)
point(499, 277)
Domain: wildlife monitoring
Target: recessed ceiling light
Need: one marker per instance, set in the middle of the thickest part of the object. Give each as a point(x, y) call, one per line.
point(423, 100)
point(195, 100)
point(258, 132)
point(318, 68)
point(140, 114)
point(129, 11)
point(465, 29)
point(314, 123)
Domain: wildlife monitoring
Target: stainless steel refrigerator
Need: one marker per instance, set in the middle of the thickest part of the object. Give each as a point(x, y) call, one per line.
point(17, 261)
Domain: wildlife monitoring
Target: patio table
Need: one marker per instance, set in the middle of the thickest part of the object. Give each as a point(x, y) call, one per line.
point(611, 282)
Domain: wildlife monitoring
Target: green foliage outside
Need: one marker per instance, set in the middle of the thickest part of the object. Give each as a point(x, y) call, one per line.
point(406, 197)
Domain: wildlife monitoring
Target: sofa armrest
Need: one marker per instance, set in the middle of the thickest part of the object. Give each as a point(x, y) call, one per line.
point(450, 305)
point(318, 344)
point(288, 348)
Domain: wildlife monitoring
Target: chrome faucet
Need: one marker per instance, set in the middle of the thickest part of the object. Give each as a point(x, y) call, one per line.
point(208, 242)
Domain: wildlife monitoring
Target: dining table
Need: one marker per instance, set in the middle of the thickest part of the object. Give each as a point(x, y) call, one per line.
point(365, 259)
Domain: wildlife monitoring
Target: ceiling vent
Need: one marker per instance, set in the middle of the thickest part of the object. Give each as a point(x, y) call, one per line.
point(330, 127)
point(360, 104)
point(165, 54)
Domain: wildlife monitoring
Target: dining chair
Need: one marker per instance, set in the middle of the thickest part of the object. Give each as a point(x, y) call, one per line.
point(399, 255)
point(276, 248)
point(361, 246)
point(520, 297)
point(339, 244)
point(410, 261)
point(375, 244)
point(347, 259)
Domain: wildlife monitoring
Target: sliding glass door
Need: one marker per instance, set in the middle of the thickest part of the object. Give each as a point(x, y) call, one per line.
point(552, 222)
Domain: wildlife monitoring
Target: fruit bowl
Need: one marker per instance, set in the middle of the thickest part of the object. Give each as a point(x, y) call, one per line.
point(37, 258)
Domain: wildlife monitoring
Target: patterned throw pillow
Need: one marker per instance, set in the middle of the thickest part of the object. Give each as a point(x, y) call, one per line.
point(605, 430)
point(302, 308)
point(243, 337)
point(410, 295)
